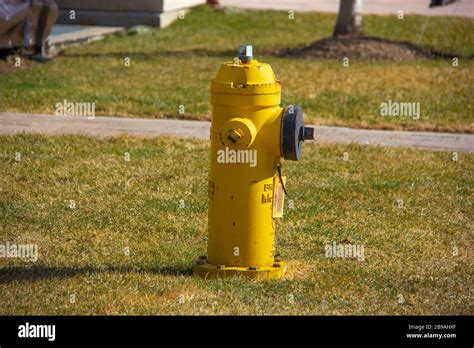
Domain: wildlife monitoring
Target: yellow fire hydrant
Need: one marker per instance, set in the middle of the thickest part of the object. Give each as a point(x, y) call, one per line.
point(250, 133)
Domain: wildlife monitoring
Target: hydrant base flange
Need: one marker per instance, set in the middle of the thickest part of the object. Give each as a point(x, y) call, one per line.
point(206, 270)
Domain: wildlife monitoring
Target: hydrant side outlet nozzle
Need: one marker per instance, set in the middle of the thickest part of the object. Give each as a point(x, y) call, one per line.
point(250, 133)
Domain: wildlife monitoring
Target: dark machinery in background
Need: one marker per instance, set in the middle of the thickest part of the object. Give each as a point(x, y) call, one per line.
point(26, 24)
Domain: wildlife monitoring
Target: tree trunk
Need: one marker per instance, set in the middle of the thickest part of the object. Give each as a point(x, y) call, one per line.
point(349, 20)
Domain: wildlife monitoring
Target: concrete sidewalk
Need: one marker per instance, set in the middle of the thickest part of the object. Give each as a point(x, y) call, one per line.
point(14, 123)
point(464, 8)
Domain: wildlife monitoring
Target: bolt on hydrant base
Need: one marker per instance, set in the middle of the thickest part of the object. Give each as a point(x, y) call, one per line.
point(250, 134)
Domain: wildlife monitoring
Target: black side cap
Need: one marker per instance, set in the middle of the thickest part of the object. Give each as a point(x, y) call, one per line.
point(292, 132)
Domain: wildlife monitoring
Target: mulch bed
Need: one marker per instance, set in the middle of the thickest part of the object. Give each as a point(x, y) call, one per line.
point(365, 48)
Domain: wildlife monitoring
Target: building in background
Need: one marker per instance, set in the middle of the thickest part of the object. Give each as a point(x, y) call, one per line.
point(122, 13)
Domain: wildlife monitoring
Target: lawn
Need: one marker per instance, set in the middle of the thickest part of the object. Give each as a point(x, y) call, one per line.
point(113, 237)
point(173, 67)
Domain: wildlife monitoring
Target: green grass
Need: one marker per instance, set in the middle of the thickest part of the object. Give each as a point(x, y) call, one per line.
point(174, 66)
point(135, 205)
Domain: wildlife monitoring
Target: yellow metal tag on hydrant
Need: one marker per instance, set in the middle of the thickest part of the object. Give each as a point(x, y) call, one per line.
point(278, 196)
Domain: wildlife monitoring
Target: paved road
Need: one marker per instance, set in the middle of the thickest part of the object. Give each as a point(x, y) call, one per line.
point(464, 8)
point(13, 123)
